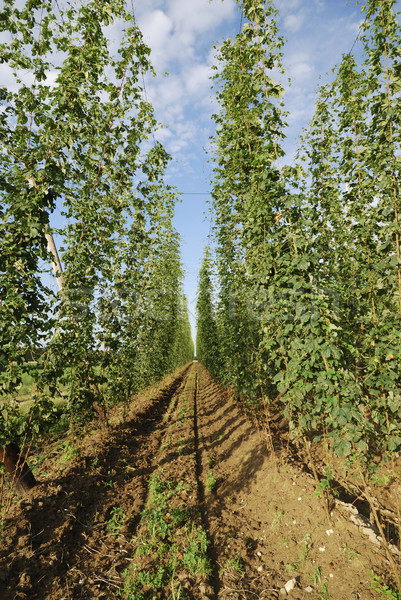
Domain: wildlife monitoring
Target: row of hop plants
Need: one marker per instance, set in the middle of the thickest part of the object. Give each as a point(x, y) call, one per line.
point(80, 168)
point(301, 299)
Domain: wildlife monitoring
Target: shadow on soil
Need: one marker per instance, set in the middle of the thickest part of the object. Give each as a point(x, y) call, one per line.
point(53, 523)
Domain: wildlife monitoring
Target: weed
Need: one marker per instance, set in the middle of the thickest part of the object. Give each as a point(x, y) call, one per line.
point(324, 592)
point(386, 593)
point(136, 580)
point(250, 543)
point(291, 567)
point(176, 594)
point(163, 489)
point(317, 575)
point(211, 460)
point(180, 515)
point(283, 542)
point(307, 545)
point(154, 519)
point(37, 460)
point(166, 444)
point(160, 524)
point(326, 484)
point(230, 499)
point(116, 520)
point(108, 483)
point(211, 482)
point(349, 552)
point(195, 556)
point(278, 519)
point(237, 564)
point(381, 481)
point(69, 452)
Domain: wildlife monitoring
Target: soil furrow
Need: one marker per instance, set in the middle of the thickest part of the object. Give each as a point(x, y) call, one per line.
point(64, 522)
point(200, 478)
point(180, 500)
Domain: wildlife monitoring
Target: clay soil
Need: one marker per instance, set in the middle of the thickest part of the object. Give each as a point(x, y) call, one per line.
point(85, 531)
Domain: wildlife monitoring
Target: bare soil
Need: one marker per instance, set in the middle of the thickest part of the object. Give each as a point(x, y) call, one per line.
point(80, 531)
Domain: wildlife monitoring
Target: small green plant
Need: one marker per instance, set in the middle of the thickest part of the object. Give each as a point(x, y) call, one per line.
point(195, 556)
point(164, 537)
point(116, 520)
point(324, 592)
point(180, 515)
point(349, 552)
point(69, 452)
point(237, 564)
point(157, 525)
point(278, 517)
point(317, 575)
point(386, 593)
point(383, 481)
point(211, 482)
point(211, 460)
point(292, 567)
point(108, 483)
point(136, 580)
point(306, 546)
point(166, 444)
point(250, 543)
point(326, 484)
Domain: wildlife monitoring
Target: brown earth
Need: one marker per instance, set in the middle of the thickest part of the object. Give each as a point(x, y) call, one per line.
point(183, 464)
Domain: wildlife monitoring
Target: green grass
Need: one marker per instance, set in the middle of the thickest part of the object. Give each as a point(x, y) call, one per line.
point(167, 531)
point(211, 482)
point(386, 593)
point(116, 521)
point(237, 564)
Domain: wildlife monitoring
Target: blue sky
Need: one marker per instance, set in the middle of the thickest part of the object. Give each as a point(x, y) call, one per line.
point(181, 35)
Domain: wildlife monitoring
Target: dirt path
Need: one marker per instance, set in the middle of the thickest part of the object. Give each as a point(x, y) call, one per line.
point(180, 499)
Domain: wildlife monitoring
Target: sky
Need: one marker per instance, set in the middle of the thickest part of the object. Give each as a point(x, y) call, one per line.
point(181, 35)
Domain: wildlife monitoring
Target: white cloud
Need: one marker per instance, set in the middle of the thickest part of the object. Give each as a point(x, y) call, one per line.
point(197, 80)
point(199, 16)
point(354, 26)
point(156, 28)
point(294, 22)
point(285, 6)
point(300, 66)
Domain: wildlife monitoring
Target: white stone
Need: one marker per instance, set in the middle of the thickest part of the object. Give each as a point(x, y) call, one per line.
point(290, 585)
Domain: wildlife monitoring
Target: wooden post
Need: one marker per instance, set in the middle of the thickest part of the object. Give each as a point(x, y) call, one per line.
point(20, 475)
